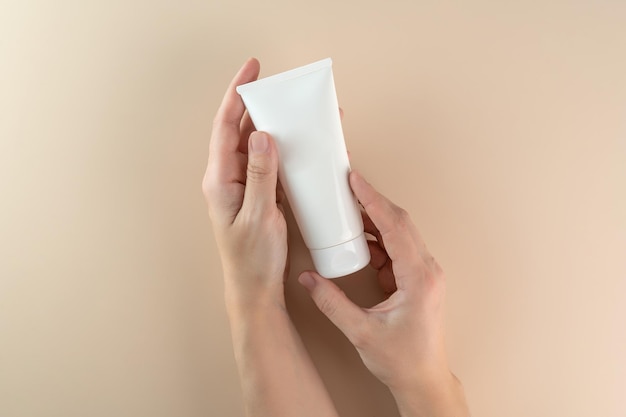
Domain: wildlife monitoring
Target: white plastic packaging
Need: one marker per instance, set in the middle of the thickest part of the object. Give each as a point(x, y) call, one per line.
point(299, 109)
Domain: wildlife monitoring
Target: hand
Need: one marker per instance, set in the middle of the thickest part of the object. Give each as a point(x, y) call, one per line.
point(400, 340)
point(240, 189)
point(277, 375)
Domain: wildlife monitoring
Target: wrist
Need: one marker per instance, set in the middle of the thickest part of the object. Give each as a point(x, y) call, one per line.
point(440, 395)
point(243, 301)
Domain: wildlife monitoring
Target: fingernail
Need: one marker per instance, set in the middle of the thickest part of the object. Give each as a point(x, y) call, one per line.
point(259, 142)
point(307, 280)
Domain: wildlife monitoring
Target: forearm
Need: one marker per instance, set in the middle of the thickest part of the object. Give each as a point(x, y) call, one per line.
point(277, 375)
point(441, 398)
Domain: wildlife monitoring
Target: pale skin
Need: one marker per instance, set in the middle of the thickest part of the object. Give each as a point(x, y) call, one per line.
point(401, 340)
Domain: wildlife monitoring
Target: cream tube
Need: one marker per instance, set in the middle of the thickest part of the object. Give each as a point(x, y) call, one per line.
point(299, 109)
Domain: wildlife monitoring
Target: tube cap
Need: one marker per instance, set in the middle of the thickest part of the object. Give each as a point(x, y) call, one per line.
point(342, 259)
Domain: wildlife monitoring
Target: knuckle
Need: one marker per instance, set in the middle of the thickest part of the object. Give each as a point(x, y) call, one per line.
point(376, 203)
point(328, 305)
point(434, 277)
point(257, 172)
point(403, 216)
point(218, 120)
point(209, 180)
point(437, 270)
point(208, 187)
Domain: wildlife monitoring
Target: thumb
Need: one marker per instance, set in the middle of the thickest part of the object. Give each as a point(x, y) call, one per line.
point(334, 303)
point(262, 172)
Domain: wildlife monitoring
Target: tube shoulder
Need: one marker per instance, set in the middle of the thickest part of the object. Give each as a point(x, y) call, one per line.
point(287, 75)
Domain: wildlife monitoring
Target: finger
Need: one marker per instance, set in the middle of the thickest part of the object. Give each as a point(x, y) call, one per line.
point(386, 279)
point(378, 257)
point(340, 113)
point(262, 175)
point(226, 125)
point(225, 173)
point(382, 215)
point(334, 304)
point(370, 228)
point(397, 232)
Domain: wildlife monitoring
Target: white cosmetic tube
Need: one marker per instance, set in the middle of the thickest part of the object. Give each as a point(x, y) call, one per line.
point(299, 109)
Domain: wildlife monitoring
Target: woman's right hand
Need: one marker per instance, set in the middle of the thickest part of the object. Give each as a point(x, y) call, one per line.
point(400, 340)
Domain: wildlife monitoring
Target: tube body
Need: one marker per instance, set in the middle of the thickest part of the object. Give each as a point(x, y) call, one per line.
point(299, 109)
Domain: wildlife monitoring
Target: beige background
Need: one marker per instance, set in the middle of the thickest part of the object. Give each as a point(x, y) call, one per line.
point(501, 126)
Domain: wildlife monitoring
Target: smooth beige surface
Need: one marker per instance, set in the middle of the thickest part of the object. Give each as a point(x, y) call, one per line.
point(501, 126)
